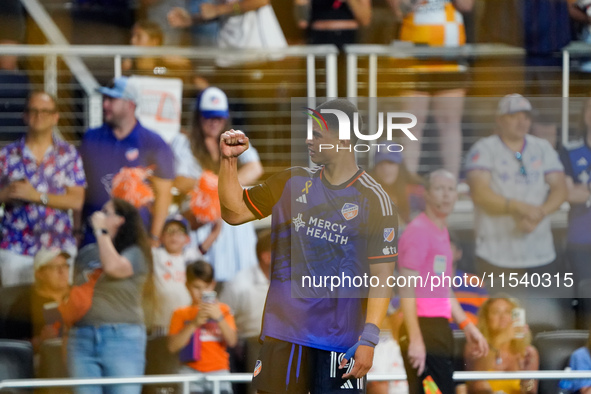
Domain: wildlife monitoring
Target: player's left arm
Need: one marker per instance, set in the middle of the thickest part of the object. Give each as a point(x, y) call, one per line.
point(162, 200)
point(377, 306)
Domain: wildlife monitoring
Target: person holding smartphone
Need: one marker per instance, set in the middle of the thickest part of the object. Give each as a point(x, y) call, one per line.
point(201, 331)
point(502, 322)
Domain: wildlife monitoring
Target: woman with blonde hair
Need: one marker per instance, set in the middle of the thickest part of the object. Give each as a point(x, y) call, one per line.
point(500, 320)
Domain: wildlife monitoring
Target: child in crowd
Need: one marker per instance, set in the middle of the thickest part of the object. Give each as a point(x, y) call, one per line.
point(170, 262)
point(202, 331)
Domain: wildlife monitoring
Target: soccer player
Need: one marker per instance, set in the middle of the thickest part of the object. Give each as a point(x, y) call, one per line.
point(331, 220)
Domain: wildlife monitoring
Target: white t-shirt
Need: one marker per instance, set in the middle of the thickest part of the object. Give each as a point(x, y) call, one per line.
point(498, 240)
point(169, 284)
point(246, 295)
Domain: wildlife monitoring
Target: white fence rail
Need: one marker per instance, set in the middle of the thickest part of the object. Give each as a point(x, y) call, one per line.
point(185, 380)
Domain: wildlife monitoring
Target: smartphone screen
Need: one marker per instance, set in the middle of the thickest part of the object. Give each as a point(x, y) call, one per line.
point(209, 297)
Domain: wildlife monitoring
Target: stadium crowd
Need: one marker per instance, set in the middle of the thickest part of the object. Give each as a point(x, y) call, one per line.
point(122, 242)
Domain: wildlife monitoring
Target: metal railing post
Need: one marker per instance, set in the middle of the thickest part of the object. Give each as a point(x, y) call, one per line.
point(216, 387)
point(117, 71)
point(311, 75)
point(331, 76)
point(186, 387)
point(50, 74)
point(95, 110)
point(372, 110)
point(351, 75)
point(565, 94)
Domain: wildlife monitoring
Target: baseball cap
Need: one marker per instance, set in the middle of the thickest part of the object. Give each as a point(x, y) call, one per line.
point(122, 88)
point(213, 103)
point(385, 155)
point(178, 218)
point(513, 103)
point(45, 255)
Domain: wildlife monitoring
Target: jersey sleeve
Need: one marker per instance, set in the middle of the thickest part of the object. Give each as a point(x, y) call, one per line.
point(260, 199)
point(479, 157)
point(383, 230)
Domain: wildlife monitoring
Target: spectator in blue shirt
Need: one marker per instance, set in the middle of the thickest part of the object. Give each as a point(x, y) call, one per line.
point(124, 153)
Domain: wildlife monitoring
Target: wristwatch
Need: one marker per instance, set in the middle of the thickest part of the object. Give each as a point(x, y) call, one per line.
point(44, 199)
point(100, 231)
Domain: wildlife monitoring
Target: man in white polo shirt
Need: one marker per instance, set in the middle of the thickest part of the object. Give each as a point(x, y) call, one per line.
point(516, 181)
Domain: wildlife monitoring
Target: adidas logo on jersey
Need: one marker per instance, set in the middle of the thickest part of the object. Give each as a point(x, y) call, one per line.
point(302, 199)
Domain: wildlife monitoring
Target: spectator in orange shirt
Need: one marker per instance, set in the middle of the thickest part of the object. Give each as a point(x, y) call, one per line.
point(202, 331)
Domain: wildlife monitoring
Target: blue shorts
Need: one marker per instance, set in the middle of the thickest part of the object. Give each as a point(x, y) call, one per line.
point(285, 367)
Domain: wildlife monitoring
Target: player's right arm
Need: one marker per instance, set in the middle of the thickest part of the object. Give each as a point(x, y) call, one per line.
point(234, 209)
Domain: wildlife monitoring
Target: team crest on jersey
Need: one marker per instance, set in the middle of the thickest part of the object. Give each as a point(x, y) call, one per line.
point(258, 367)
point(132, 154)
point(389, 234)
point(350, 211)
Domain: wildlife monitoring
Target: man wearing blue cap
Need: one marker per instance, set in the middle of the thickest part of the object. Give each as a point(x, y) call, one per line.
point(122, 143)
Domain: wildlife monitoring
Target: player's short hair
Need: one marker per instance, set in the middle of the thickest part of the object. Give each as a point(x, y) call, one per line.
point(200, 269)
point(440, 172)
point(263, 242)
point(345, 106)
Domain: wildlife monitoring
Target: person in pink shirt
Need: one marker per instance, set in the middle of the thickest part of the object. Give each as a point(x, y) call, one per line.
point(426, 340)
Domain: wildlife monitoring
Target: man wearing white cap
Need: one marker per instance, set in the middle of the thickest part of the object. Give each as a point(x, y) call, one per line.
point(34, 316)
point(123, 143)
point(516, 180)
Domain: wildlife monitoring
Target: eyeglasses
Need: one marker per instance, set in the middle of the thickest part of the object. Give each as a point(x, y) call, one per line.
point(519, 158)
point(44, 112)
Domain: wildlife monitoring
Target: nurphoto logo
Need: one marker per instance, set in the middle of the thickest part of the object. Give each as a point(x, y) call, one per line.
point(392, 124)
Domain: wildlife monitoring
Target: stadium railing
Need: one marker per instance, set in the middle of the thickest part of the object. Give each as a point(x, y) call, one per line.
point(246, 377)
